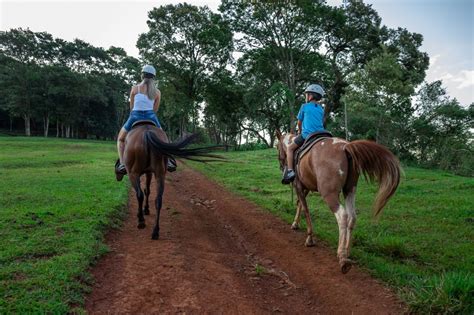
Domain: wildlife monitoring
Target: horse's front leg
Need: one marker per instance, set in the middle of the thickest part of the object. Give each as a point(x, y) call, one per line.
point(158, 203)
point(147, 193)
point(297, 219)
point(135, 180)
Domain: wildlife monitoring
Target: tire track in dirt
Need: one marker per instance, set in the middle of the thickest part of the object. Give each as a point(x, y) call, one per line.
point(204, 262)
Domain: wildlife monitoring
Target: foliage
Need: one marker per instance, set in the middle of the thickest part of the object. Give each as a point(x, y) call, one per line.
point(80, 88)
point(188, 43)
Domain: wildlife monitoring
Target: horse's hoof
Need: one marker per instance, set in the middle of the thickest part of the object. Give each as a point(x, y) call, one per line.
point(294, 226)
point(146, 211)
point(141, 225)
point(155, 236)
point(309, 242)
point(346, 265)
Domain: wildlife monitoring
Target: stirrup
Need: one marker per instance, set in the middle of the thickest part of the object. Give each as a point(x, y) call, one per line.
point(288, 177)
point(171, 166)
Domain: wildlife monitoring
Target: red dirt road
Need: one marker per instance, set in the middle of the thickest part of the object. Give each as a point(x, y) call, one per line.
point(204, 262)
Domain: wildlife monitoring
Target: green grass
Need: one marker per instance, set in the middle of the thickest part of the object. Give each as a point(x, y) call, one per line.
point(423, 244)
point(57, 197)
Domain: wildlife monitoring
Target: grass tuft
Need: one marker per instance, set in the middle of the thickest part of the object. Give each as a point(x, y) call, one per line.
point(448, 293)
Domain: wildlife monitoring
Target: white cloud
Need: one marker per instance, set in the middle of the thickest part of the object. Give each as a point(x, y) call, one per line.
point(465, 78)
point(434, 59)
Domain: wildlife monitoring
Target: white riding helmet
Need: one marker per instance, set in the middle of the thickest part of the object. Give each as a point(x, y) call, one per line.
point(149, 69)
point(315, 88)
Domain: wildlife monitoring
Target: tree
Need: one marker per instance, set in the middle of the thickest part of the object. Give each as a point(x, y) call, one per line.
point(224, 109)
point(81, 86)
point(281, 34)
point(186, 43)
point(442, 130)
point(380, 103)
point(351, 38)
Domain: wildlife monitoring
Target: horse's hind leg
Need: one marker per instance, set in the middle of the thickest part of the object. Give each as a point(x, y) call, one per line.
point(297, 219)
point(158, 203)
point(146, 211)
point(135, 180)
point(342, 217)
point(351, 218)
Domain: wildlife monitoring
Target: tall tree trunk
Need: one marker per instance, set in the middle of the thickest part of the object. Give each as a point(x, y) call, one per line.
point(46, 125)
point(26, 117)
point(57, 128)
point(11, 123)
point(68, 131)
point(240, 138)
point(346, 127)
point(62, 130)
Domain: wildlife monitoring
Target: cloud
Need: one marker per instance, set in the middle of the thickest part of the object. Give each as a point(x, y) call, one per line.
point(463, 79)
point(434, 59)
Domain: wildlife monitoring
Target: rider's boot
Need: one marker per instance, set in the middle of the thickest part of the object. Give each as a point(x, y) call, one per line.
point(288, 176)
point(120, 170)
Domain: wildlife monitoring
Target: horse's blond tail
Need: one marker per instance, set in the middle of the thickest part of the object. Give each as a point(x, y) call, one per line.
point(378, 164)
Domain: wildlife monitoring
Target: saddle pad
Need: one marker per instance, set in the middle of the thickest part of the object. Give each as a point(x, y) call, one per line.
point(309, 143)
point(143, 122)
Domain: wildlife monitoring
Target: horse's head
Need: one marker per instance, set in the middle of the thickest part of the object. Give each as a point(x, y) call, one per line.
point(283, 141)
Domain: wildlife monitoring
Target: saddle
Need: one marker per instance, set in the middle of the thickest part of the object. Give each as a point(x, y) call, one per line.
point(143, 122)
point(309, 142)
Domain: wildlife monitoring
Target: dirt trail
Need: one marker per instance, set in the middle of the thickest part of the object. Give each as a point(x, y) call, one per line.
point(204, 262)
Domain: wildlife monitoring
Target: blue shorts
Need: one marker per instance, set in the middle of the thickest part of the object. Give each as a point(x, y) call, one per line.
point(136, 115)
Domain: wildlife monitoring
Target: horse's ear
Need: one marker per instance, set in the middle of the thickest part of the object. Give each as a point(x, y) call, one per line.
point(278, 134)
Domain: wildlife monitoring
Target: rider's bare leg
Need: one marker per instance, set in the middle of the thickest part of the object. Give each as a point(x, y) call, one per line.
point(121, 143)
point(289, 155)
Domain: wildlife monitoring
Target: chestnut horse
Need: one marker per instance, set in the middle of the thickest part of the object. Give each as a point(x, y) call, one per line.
point(332, 166)
point(146, 152)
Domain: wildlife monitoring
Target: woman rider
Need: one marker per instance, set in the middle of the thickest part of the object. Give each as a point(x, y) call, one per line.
point(144, 103)
point(310, 119)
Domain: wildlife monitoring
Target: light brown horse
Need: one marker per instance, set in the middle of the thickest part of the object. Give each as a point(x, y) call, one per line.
point(146, 152)
point(332, 166)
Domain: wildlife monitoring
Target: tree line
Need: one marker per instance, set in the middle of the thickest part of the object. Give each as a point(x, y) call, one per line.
point(236, 76)
point(75, 87)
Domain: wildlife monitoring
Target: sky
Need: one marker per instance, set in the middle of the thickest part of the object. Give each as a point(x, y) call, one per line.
point(446, 25)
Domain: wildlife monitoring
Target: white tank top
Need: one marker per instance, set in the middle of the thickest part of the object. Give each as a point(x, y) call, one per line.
point(142, 102)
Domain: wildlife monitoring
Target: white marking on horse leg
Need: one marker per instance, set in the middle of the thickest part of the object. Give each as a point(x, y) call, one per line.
point(341, 217)
point(309, 225)
point(296, 221)
point(352, 217)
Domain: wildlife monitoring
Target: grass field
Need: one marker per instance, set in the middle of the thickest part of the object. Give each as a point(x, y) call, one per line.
point(423, 245)
point(57, 198)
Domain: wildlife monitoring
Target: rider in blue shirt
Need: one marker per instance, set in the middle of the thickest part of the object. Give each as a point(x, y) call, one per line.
point(310, 119)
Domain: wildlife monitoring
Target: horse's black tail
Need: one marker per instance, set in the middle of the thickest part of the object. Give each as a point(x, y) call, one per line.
point(177, 149)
